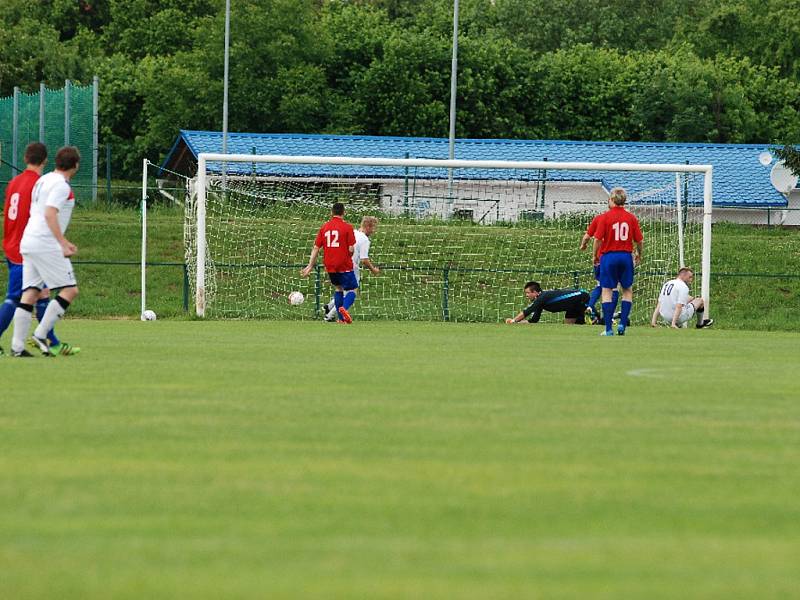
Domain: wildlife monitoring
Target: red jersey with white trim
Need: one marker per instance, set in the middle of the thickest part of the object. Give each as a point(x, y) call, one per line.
point(618, 229)
point(592, 228)
point(335, 238)
point(16, 212)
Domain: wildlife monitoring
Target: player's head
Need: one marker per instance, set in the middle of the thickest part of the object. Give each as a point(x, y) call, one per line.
point(68, 159)
point(369, 225)
point(618, 196)
point(686, 275)
point(35, 154)
point(533, 289)
point(338, 209)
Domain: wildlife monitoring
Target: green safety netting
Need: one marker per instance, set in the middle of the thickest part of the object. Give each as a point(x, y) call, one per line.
point(78, 132)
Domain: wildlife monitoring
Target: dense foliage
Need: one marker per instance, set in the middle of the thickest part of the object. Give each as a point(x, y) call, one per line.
point(674, 70)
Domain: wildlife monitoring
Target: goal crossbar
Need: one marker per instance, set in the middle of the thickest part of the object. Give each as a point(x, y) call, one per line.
point(205, 158)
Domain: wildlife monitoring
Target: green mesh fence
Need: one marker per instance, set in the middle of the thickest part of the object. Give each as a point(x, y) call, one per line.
point(79, 131)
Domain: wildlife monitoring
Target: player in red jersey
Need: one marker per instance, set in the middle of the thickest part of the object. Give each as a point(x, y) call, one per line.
point(16, 213)
point(594, 295)
point(617, 231)
point(337, 239)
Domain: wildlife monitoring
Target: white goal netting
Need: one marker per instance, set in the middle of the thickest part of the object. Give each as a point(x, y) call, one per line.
point(453, 244)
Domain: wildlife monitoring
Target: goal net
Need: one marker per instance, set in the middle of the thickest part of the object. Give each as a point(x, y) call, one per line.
point(456, 241)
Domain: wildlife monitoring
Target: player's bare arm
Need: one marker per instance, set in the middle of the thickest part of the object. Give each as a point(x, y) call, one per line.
point(654, 318)
point(637, 256)
point(372, 268)
point(520, 318)
point(51, 217)
point(596, 251)
point(306, 271)
point(676, 315)
point(584, 241)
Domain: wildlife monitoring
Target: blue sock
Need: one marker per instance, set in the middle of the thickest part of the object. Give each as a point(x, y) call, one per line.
point(608, 313)
point(626, 311)
point(349, 298)
point(7, 313)
point(338, 300)
point(594, 296)
point(41, 306)
point(615, 298)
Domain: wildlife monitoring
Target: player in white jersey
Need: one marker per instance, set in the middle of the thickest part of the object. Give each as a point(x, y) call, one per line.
point(676, 306)
point(45, 252)
point(360, 257)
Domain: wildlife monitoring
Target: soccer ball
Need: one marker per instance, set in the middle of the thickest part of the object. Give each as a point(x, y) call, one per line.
point(148, 315)
point(296, 298)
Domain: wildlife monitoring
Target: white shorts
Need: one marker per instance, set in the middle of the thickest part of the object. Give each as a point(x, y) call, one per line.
point(47, 269)
point(686, 314)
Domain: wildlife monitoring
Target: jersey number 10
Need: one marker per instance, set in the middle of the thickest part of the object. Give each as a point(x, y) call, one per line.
point(621, 231)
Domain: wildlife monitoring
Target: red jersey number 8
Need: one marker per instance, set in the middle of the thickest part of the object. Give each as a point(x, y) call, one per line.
point(621, 231)
point(13, 207)
point(332, 239)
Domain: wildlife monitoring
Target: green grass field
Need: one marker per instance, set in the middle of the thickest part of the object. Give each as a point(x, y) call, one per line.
point(182, 459)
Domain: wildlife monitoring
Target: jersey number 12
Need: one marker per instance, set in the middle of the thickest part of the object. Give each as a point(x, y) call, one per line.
point(332, 239)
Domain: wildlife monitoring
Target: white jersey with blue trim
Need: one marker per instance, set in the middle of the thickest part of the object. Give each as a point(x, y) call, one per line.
point(673, 292)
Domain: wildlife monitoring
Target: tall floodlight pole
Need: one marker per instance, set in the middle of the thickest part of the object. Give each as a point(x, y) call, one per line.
point(225, 91)
point(453, 74)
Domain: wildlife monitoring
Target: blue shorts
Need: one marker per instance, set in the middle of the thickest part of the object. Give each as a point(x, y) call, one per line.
point(347, 280)
point(14, 281)
point(596, 270)
point(616, 268)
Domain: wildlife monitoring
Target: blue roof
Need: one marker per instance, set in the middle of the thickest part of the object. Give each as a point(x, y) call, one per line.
point(739, 177)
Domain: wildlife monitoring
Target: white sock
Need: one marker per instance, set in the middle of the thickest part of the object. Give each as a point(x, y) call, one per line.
point(22, 324)
point(51, 315)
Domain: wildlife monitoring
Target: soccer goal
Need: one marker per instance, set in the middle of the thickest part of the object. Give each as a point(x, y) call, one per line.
point(457, 239)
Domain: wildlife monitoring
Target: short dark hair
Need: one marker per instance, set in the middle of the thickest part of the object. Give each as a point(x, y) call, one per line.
point(35, 154)
point(533, 286)
point(338, 209)
point(685, 270)
point(67, 158)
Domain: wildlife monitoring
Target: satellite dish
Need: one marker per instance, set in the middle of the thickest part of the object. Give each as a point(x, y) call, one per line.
point(765, 158)
point(782, 178)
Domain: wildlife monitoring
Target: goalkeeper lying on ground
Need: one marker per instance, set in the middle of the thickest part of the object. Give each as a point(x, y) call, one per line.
point(571, 302)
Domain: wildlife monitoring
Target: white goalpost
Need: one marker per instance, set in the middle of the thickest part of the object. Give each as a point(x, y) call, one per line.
point(458, 238)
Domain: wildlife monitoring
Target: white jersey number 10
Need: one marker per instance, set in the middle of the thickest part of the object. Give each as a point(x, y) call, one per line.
point(621, 231)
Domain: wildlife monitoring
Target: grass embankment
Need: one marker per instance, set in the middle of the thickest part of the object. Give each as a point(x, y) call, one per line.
point(757, 298)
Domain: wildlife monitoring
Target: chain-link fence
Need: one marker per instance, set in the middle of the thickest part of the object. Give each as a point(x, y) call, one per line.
point(56, 117)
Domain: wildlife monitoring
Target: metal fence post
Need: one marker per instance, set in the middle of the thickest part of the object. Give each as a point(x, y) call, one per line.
point(446, 294)
point(67, 111)
point(108, 173)
point(317, 290)
point(15, 130)
point(405, 187)
point(41, 112)
point(95, 125)
point(185, 288)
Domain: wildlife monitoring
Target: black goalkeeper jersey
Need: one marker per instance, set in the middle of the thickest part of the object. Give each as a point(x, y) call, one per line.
point(570, 301)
